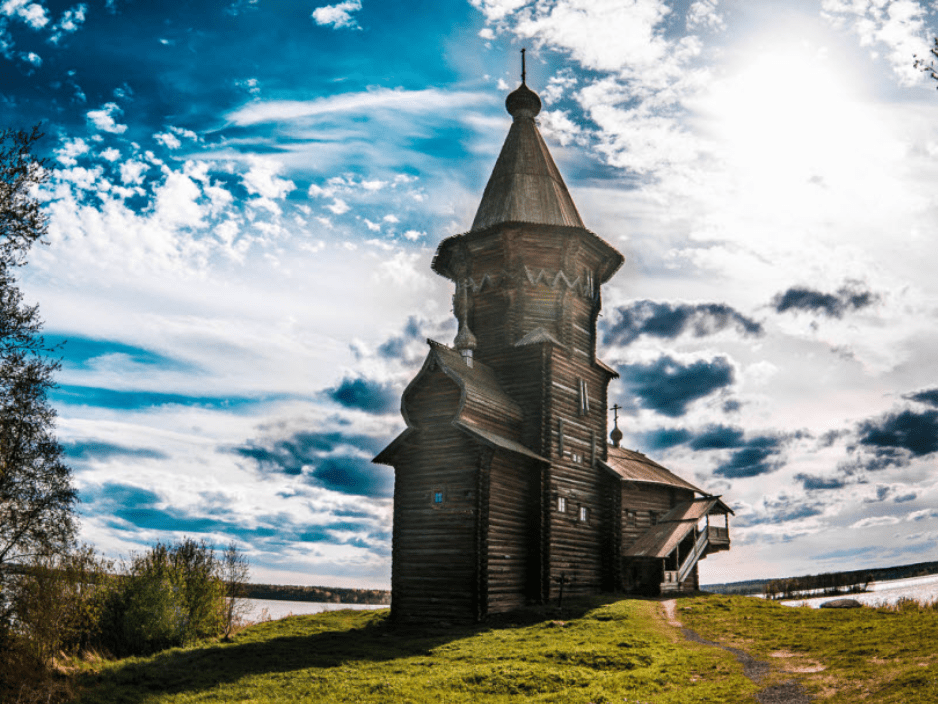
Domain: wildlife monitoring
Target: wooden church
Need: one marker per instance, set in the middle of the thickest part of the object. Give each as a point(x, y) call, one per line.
point(506, 490)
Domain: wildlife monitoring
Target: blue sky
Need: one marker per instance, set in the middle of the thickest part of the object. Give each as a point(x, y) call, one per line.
point(245, 199)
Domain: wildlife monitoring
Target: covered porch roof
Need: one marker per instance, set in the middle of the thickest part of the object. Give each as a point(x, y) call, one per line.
point(671, 529)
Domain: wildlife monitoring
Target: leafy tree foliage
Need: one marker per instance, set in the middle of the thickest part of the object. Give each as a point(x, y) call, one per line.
point(930, 68)
point(36, 495)
point(171, 595)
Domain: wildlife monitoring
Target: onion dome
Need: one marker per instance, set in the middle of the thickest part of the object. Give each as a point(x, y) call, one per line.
point(523, 102)
point(616, 436)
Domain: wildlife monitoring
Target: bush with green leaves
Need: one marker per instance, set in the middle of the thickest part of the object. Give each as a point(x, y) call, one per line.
point(171, 595)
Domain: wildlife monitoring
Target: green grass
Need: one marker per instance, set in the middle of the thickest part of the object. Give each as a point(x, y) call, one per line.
point(603, 651)
point(877, 655)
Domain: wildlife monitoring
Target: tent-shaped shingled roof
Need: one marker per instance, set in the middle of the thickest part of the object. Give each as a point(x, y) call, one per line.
point(525, 185)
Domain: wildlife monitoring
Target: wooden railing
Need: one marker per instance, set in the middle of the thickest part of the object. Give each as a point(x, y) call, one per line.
point(718, 535)
point(691, 559)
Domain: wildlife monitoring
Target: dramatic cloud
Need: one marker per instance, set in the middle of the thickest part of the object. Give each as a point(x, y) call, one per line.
point(813, 482)
point(926, 396)
point(669, 320)
point(94, 450)
point(366, 395)
point(333, 461)
point(895, 434)
point(749, 457)
point(833, 305)
point(783, 508)
point(668, 386)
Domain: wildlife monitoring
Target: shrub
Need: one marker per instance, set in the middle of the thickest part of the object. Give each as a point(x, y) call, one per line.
point(172, 595)
point(50, 606)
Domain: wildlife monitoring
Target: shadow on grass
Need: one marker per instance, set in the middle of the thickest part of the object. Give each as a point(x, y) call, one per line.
point(321, 641)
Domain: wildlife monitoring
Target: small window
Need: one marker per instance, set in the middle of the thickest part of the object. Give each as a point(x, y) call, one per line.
point(584, 514)
point(653, 517)
point(630, 517)
point(576, 457)
point(584, 398)
point(561, 504)
point(437, 497)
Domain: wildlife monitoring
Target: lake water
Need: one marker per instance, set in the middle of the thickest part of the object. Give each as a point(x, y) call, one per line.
point(921, 589)
point(276, 609)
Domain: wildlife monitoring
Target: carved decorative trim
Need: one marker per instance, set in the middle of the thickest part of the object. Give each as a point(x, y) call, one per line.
point(583, 284)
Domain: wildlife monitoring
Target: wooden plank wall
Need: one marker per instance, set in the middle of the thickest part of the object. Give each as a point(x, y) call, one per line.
point(511, 543)
point(434, 558)
point(576, 548)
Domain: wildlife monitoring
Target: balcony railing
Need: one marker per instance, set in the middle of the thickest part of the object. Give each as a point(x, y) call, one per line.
point(718, 535)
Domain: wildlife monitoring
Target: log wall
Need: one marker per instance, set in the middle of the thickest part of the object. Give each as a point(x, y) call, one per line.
point(511, 545)
point(434, 553)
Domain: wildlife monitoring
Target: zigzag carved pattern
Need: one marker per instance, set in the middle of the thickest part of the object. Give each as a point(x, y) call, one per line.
point(534, 278)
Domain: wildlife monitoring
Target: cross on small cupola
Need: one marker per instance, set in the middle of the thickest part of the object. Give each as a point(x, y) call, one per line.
point(616, 434)
point(523, 102)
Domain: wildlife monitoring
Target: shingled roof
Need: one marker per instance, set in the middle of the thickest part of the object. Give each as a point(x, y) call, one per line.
point(525, 185)
point(635, 467)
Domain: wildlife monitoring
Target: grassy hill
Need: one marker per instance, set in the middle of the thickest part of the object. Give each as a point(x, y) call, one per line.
point(598, 650)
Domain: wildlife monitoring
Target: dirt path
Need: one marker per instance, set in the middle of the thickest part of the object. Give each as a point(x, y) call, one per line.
point(789, 692)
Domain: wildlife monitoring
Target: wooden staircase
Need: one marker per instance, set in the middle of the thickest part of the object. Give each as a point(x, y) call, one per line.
point(711, 539)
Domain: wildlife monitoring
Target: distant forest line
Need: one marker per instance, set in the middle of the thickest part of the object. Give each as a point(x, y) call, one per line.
point(329, 595)
point(826, 580)
point(787, 585)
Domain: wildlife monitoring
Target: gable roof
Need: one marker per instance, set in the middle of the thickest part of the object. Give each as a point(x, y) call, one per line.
point(635, 467)
point(525, 185)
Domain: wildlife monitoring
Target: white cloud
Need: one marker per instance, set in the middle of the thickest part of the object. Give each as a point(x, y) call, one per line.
point(898, 26)
point(704, 13)
point(177, 202)
point(557, 125)
point(70, 21)
point(338, 16)
point(262, 179)
point(67, 153)
point(496, 10)
point(104, 119)
point(873, 521)
point(168, 140)
point(373, 226)
point(604, 35)
point(250, 85)
point(32, 58)
point(393, 219)
point(414, 235)
point(132, 171)
point(33, 14)
point(430, 100)
point(338, 207)
point(111, 154)
point(184, 133)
